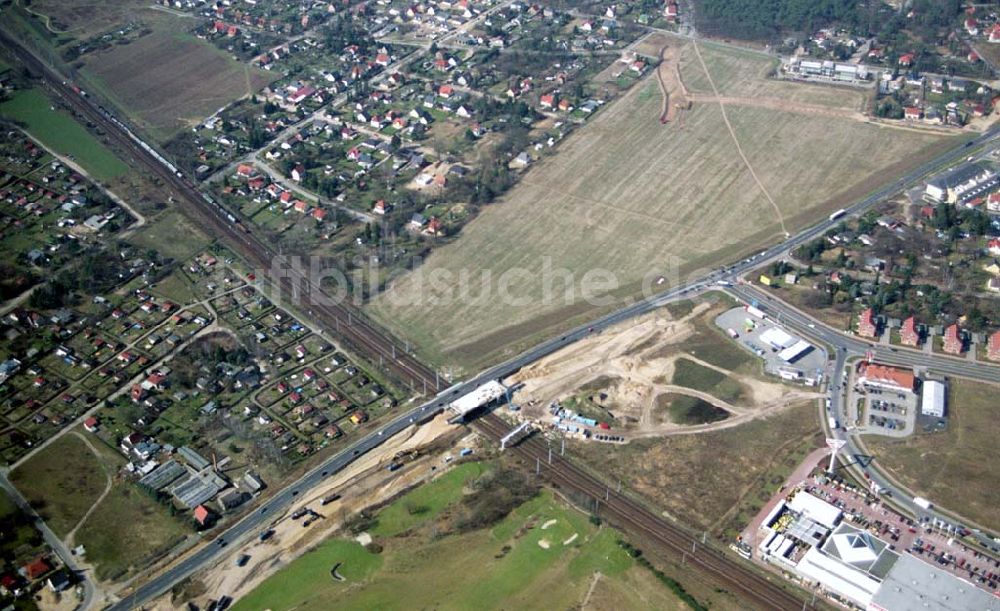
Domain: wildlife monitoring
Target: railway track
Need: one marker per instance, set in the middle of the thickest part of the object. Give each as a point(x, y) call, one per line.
point(730, 574)
point(359, 333)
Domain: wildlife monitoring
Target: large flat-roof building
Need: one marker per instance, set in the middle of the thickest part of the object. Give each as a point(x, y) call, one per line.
point(807, 535)
point(932, 399)
point(952, 185)
point(915, 584)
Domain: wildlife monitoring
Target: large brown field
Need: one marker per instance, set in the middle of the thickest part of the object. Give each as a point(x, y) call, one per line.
point(169, 80)
point(956, 467)
point(641, 200)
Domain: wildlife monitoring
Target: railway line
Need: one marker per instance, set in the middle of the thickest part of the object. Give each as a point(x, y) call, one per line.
point(360, 333)
point(628, 514)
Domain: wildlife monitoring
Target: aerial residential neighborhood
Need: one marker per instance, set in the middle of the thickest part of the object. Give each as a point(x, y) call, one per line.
point(491, 304)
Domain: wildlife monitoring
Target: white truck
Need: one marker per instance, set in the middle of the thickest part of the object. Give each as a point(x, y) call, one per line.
point(832, 422)
point(920, 501)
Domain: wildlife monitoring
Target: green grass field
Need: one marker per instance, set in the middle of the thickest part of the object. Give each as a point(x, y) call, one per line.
point(127, 530)
point(426, 502)
point(692, 375)
point(171, 234)
point(951, 467)
point(62, 482)
point(58, 131)
point(544, 555)
point(637, 199)
point(685, 409)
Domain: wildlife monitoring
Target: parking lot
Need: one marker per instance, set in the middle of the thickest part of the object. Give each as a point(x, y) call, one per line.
point(879, 411)
point(807, 369)
point(924, 539)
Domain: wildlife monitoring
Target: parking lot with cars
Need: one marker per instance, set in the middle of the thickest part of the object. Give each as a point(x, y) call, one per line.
point(933, 542)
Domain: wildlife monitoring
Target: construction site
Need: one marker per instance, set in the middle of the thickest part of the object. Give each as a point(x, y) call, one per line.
point(648, 379)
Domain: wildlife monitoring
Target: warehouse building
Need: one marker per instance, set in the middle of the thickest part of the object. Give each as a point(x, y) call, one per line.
point(932, 399)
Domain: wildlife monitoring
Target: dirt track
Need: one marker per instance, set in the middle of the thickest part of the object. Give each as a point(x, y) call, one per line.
point(668, 76)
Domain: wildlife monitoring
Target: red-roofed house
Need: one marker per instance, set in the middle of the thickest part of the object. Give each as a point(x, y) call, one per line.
point(909, 335)
point(906, 59)
point(36, 568)
point(319, 214)
point(994, 246)
point(953, 341)
point(138, 393)
point(446, 91)
point(91, 424)
point(912, 113)
point(201, 515)
point(993, 346)
point(867, 324)
point(671, 11)
point(547, 101)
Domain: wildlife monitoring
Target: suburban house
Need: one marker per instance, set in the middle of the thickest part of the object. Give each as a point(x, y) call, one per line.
point(954, 343)
point(909, 335)
point(202, 515)
point(993, 346)
point(868, 324)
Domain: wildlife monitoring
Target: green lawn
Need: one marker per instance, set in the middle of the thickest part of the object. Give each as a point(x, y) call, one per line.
point(61, 482)
point(58, 131)
point(543, 555)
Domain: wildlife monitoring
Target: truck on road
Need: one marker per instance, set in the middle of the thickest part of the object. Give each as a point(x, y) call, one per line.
point(833, 423)
point(920, 501)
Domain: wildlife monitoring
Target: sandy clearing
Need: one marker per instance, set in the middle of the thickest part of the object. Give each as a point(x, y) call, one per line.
point(549, 524)
point(571, 539)
point(544, 543)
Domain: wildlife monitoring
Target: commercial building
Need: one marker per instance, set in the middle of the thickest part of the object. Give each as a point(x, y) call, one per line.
point(960, 184)
point(932, 399)
point(808, 536)
point(886, 377)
